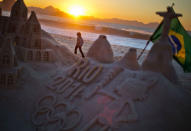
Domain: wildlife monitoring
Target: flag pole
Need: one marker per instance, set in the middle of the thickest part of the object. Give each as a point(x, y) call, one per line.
point(150, 39)
point(144, 49)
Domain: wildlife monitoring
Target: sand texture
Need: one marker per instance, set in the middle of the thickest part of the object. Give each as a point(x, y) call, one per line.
point(89, 95)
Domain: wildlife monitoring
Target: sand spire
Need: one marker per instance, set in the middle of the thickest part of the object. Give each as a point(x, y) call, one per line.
point(101, 50)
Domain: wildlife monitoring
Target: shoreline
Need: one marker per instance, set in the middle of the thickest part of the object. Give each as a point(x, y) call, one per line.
point(118, 50)
point(94, 29)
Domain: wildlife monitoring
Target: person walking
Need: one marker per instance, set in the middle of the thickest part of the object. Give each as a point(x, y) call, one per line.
point(79, 44)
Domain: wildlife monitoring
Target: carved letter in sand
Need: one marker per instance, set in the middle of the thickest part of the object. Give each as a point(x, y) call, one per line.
point(84, 72)
point(113, 72)
point(80, 74)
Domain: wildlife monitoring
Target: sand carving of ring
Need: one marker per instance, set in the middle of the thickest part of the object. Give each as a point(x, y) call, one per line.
point(43, 99)
point(41, 110)
point(49, 111)
point(65, 116)
point(74, 124)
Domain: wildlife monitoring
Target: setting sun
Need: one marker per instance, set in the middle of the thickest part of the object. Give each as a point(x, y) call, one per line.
point(76, 11)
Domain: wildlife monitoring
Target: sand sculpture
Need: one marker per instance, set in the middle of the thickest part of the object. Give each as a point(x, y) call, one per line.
point(9, 69)
point(60, 118)
point(130, 60)
point(18, 17)
point(26, 34)
point(62, 53)
point(95, 94)
point(28, 41)
point(160, 56)
point(87, 79)
point(102, 46)
point(112, 96)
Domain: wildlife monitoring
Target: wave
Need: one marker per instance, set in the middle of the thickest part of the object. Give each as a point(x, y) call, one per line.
point(114, 40)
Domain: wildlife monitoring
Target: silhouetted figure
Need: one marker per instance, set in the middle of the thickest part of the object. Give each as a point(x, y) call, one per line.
point(79, 44)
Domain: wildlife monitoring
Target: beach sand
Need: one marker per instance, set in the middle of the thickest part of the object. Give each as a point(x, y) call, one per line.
point(119, 51)
point(20, 105)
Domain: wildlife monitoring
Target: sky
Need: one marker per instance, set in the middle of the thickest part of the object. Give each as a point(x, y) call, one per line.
point(140, 10)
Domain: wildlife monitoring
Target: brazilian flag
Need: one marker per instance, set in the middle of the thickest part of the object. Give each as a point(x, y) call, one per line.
point(180, 41)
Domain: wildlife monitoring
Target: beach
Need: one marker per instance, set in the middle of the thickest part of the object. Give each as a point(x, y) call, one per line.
point(46, 86)
point(118, 50)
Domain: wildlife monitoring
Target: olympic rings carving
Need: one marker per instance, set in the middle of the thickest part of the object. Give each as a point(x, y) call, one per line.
point(49, 111)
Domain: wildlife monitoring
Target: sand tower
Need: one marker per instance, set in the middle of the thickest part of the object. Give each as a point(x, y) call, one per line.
point(160, 56)
point(18, 16)
point(32, 33)
point(9, 69)
point(101, 50)
point(129, 60)
point(29, 44)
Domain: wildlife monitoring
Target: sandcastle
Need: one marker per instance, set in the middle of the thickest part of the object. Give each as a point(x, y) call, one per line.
point(29, 43)
point(103, 95)
point(19, 36)
point(9, 68)
point(26, 34)
point(94, 94)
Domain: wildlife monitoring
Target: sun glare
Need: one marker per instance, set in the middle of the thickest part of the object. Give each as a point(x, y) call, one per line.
point(76, 11)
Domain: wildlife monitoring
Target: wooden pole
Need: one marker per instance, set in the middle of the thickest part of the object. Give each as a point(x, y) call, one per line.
point(143, 49)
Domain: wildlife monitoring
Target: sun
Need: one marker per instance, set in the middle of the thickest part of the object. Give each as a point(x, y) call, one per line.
point(76, 11)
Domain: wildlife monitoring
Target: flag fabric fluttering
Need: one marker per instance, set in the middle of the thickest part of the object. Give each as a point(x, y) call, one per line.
point(180, 41)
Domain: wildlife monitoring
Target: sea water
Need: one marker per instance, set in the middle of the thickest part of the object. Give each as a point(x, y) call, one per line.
point(114, 40)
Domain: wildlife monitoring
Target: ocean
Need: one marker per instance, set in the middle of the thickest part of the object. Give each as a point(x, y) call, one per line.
point(114, 40)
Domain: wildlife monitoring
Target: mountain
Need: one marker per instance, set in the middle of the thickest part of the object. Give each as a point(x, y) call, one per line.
point(132, 23)
point(7, 4)
point(122, 22)
point(50, 10)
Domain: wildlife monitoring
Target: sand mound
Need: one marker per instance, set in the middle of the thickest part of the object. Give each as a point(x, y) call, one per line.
point(91, 95)
point(159, 59)
point(61, 53)
point(129, 60)
point(101, 50)
point(117, 98)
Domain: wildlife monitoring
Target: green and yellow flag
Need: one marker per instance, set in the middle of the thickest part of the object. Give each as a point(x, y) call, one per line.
point(180, 41)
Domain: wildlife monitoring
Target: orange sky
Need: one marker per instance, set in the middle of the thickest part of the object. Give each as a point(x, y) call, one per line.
point(140, 10)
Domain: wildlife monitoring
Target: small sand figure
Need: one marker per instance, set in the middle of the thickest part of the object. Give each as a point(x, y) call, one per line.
point(79, 44)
